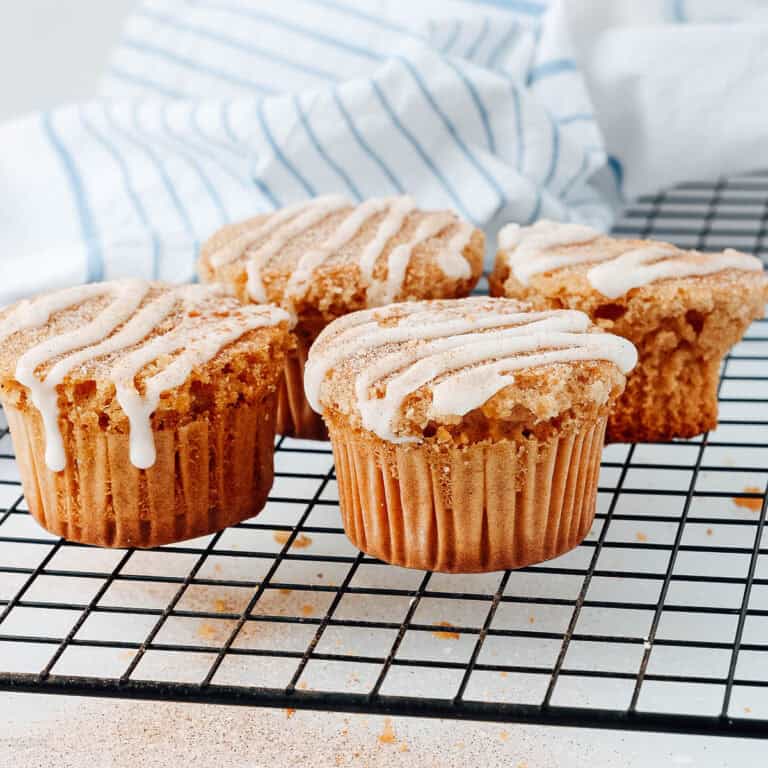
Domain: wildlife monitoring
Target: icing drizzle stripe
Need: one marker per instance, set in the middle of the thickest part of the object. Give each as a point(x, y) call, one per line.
point(121, 324)
point(466, 353)
point(528, 252)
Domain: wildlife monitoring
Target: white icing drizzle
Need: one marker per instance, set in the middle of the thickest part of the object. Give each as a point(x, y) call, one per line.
point(392, 223)
point(399, 258)
point(467, 352)
point(34, 313)
point(527, 247)
point(264, 242)
point(312, 214)
point(126, 298)
point(196, 344)
point(656, 262)
point(346, 232)
point(233, 250)
point(527, 251)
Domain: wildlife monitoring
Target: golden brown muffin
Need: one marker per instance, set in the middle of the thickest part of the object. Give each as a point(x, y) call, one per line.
point(327, 257)
point(142, 413)
point(683, 310)
point(467, 434)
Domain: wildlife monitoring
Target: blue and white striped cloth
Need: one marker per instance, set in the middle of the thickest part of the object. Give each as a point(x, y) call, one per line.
point(504, 110)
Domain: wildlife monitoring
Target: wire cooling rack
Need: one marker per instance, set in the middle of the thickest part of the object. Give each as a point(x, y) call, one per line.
point(659, 620)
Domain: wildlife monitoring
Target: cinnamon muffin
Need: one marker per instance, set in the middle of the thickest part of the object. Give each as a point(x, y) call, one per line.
point(467, 434)
point(141, 413)
point(327, 257)
point(683, 310)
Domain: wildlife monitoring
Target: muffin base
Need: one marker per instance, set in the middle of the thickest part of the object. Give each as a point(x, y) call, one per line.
point(209, 473)
point(676, 397)
point(484, 507)
point(295, 416)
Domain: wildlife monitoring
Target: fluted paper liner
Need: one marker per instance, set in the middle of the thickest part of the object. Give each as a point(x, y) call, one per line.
point(295, 416)
point(484, 507)
point(209, 473)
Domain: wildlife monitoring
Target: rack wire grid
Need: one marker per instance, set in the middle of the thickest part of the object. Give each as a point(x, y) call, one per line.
point(658, 621)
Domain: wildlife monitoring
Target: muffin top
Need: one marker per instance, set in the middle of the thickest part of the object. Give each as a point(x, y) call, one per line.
point(477, 367)
point(631, 286)
point(326, 257)
point(128, 349)
point(611, 266)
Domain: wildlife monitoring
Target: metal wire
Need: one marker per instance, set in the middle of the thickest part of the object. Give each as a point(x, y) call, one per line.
point(652, 623)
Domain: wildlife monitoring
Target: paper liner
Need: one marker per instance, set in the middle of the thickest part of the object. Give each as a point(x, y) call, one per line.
point(661, 402)
point(295, 416)
point(484, 507)
point(209, 474)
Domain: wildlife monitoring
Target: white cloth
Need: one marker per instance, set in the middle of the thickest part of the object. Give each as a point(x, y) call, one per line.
point(504, 110)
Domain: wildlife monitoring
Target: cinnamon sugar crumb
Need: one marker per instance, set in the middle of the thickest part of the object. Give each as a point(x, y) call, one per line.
point(387, 736)
point(442, 635)
point(307, 609)
point(709, 531)
point(640, 536)
point(504, 674)
point(754, 504)
point(303, 685)
point(531, 619)
point(302, 541)
point(284, 591)
point(207, 630)
point(747, 710)
point(504, 735)
point(290, 712)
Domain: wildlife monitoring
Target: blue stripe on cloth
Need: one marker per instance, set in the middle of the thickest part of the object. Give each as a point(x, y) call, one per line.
point(536, 212)
point(168, 185)
point(450, 41)
point(189, 157)
point(298, 29)
point(451, 128)
point(489, 137)
point(195, 66)
point(308, 188)
point(257, 180)
point(94, 256)
point(576, 176)
point(365, 146)
point(505, 40)
point(554, 157)
point(618, 174)
point(520, 6)
point(678, 11)
point(369, 17)
point(340, 172)
point(549, 68)
point(426, 159)
point(130, 189)
point(143, 82)
point(475, 45)
point(519, 130)
point(235, 44)
point(576, 117)
point(260, 183)
point(226, 123)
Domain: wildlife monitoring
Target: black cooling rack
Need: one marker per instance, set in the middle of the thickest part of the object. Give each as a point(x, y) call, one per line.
point(658, 621)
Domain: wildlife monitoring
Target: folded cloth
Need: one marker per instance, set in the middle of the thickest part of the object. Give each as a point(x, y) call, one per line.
point(504, 110)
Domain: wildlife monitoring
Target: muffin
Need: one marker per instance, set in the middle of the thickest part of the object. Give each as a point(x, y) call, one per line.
point(467, 434)
point(683, 310)
point(327, 257)
point(141, 413)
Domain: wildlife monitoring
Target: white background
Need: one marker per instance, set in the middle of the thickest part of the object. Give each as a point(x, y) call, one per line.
point(51, 52)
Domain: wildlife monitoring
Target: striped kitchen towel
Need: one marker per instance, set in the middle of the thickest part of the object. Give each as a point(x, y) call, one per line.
point(503, 110)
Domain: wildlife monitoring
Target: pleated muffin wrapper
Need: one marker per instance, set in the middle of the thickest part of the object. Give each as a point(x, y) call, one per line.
point(295, 416)
point(210, 473)
point(465, 509)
